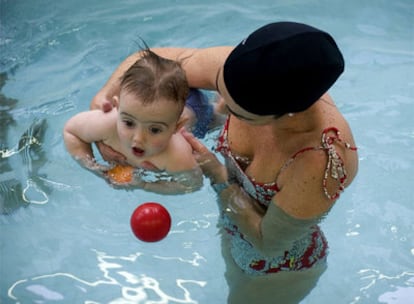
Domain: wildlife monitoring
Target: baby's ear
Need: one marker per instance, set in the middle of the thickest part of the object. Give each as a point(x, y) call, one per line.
point(115, 101)
point(181, 123)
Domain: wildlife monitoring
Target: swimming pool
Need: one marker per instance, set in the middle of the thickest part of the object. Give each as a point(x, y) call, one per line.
point(66, 236)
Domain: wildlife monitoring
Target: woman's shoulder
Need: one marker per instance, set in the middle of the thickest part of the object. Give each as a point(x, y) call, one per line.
point(316, 176)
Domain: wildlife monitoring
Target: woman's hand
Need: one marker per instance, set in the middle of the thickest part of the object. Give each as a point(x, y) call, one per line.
point(208, 162)
point(101, 102)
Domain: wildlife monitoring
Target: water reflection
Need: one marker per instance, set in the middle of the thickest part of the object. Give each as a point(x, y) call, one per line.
point(115, 285)
point(15, 193)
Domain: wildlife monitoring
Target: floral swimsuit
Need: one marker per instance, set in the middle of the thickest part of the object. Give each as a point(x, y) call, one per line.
point(305, 252)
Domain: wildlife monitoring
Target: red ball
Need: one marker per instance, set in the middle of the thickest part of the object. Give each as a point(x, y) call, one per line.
point(150, 222)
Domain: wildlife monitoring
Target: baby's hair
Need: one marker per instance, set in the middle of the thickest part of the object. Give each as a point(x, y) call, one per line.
point(153, 77)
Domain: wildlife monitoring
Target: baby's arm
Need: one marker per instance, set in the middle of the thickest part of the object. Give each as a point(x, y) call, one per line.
point(81, 131)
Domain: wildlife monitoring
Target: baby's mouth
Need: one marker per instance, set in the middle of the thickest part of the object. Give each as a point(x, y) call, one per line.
point(138, 152)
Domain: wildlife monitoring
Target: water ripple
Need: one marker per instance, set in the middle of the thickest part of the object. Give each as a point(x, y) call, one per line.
point(131, 287)
point(50, 108)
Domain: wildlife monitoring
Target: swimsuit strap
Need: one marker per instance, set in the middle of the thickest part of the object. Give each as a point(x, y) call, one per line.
point(335, 166)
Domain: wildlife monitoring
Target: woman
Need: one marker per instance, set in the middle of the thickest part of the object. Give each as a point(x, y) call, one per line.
point(288, 150)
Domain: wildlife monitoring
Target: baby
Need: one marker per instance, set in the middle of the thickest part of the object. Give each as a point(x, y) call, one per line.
point(144, 126)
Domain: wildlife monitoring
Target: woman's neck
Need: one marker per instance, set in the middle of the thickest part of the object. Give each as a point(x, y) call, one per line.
point(301, 122)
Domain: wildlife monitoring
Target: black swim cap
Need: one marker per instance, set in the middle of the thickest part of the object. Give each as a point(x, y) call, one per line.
point(281, 68)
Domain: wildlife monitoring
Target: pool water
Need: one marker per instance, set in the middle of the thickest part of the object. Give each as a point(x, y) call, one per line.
point(64, 233)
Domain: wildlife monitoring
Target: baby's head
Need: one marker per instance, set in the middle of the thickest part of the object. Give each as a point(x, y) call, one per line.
point(152, 78)
point(150, 104)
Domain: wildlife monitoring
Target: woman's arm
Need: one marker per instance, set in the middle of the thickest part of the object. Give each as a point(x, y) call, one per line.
point(201, 67)
point(181, 174)
point(270, 231)
point(171, 184)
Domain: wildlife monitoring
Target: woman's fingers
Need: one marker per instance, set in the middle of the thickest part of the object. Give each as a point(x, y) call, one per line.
point(107, 107)
point(194, 142)
point(206, 159)
point(101, 102)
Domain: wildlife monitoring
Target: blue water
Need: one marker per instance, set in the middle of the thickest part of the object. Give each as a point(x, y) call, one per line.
point(67, 238)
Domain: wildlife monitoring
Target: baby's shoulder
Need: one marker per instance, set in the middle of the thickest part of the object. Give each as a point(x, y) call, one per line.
point(180, 154)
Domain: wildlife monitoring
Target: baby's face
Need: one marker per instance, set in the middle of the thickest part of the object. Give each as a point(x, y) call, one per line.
point(146, 129)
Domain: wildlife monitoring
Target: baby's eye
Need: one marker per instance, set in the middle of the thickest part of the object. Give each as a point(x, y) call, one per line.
point(128, 123)
point(155, 130)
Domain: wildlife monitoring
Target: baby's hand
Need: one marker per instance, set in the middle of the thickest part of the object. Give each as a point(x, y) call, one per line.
point(109, 154)
point(92, 165)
